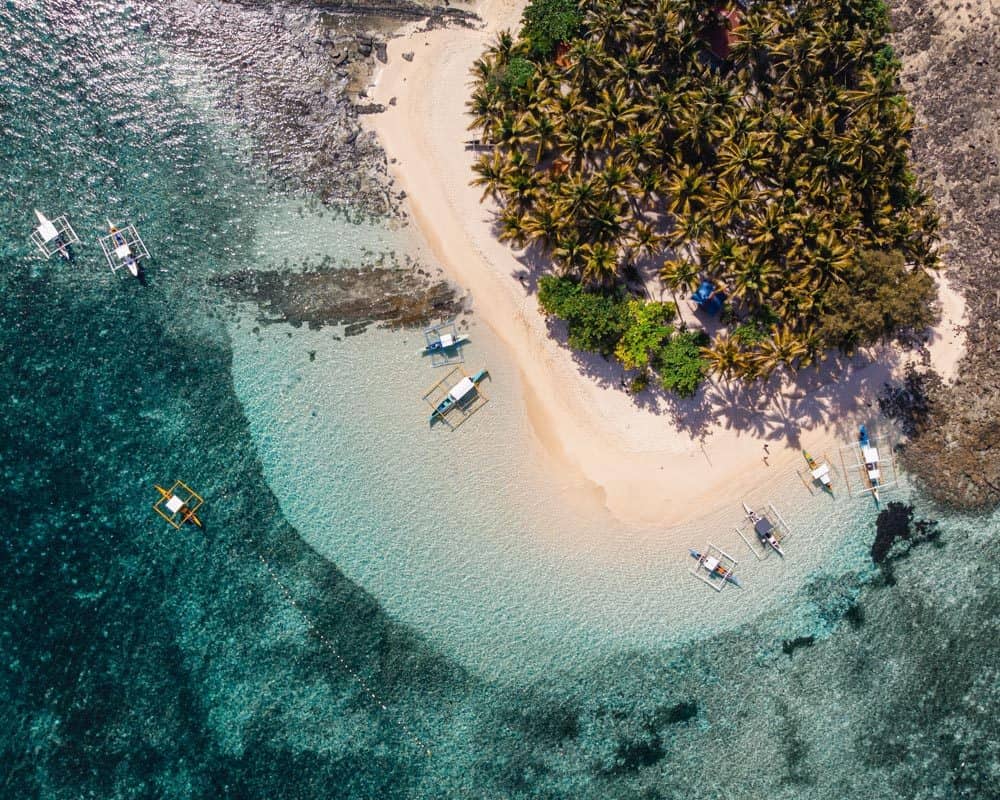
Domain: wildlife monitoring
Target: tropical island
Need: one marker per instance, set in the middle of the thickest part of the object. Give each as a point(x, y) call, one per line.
point(758, 150)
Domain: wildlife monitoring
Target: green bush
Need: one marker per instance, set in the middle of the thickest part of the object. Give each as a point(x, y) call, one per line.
point(646, 329)
point(750, 333)
point(879, 299)
point(546, 23)
point(595, 321)
point(680, 363)
point(885, 61)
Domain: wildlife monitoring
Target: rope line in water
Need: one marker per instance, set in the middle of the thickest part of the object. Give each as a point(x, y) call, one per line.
point(325, 640)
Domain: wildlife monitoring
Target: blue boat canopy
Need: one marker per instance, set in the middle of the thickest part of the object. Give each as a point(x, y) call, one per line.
point(708, 299)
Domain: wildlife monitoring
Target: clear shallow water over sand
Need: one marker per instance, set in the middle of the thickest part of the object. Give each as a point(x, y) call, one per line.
point(477, 538)
point(533, 651)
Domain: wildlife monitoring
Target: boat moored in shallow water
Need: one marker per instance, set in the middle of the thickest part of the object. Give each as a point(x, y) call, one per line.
point(54, 236)
point(715, 567)
point(869, 455)
point(764, 529)
point(458, 393)
point(819, 471)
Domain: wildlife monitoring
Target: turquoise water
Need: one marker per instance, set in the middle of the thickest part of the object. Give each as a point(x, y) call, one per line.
point(375, 610)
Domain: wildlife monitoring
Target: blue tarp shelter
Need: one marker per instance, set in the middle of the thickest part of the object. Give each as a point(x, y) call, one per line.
point(708, 299)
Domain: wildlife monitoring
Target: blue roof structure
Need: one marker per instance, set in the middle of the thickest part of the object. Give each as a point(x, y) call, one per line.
point(708, 298)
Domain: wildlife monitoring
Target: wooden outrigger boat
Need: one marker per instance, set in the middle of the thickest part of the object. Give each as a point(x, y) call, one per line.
point(715, 568)
point(764, 529)
point(444, 342)
point(869, 455)
point(123, 247)
point(54, 237)
point(820, 471)
point(458, 393)
point(178, 504)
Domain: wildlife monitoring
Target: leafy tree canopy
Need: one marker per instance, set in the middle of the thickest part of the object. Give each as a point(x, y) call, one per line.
point(646, 329)
point(546, 23)
point(680, 363)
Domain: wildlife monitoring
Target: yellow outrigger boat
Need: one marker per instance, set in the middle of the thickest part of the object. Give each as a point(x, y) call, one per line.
point(820, 472)
point(178, 504)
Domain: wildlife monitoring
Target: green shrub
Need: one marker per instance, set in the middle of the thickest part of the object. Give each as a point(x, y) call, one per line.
point(880, 298)
point(885, 61)
point(646, 329)
point(595, 321)
point(750, 333)
point(546, 23)
point(680, 363)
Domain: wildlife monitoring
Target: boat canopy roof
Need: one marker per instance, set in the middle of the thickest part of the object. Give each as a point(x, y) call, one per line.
point(174, 504)
point(870, 454)
point(763, 526)
point(461, 389)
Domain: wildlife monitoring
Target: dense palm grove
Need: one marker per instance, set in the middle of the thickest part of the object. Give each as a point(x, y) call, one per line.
point(777, 170)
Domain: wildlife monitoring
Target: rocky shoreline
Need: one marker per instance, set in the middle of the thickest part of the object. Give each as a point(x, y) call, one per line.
point(293, 75)
point(951, 74)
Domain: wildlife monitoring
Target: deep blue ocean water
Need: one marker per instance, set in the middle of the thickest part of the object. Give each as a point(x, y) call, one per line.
point(136, 661)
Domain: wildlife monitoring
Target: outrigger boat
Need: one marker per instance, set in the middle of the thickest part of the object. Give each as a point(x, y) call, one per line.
point(181, 501)
point(715, 568)
point(820, 472)
point(123, 247)
point(123, 251)
point(869, 454)
point(764, 529)
point(54, 236)
point(457, 394)
point(445, 341)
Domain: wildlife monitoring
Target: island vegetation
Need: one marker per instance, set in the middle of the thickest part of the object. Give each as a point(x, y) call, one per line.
point(762, 147)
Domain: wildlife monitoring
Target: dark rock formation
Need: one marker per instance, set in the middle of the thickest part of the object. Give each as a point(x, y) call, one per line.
point(287, 72)
point(896, 534)
point(343, 296)
point(951, 76)
point(789, 646)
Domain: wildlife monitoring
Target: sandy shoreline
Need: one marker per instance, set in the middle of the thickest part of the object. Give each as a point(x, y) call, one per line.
point(655, 462)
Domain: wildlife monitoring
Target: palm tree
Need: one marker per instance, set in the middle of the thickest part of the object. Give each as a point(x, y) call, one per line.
point(613, 114)
point(600, 263)
point(687, 188)
point(726, 356)
point(540, 131)
point(490, 169)
point(729, 201)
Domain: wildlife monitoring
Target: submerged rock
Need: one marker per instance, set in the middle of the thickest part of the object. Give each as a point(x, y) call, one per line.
point(354, 297)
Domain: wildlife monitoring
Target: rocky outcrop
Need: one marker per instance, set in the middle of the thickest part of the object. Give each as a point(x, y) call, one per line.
point(345, 296)
point(951, 74)
point(288, 74)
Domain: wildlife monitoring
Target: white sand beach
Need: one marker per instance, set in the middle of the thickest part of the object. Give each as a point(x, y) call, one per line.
point(651, 460)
